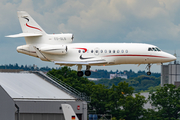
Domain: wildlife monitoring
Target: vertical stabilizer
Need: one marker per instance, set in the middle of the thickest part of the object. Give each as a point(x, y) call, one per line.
point(68, 112)
point(28, 24)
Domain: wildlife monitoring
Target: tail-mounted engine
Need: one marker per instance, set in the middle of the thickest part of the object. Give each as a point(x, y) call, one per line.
point(54, 49)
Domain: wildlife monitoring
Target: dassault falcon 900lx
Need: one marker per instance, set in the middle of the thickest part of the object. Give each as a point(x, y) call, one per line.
point(58, 48)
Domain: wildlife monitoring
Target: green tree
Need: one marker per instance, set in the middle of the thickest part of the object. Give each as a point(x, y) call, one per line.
point(116, 100)
point(167, 102)
point(99, 98)
point(70, 77)
point(116, 93)
point(132, 107)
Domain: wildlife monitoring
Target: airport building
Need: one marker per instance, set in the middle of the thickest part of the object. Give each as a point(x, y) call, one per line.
point(112, 76)
point(36, 96)
point(170, 74)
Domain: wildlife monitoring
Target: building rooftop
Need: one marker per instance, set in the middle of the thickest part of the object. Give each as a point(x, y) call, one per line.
point(30, 86)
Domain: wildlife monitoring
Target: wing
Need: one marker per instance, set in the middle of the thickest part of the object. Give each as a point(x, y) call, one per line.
point(71, 63)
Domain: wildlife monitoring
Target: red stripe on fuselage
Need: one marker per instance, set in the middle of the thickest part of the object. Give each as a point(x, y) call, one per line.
point(33, 27)
point(82, 49)
point(131, 55)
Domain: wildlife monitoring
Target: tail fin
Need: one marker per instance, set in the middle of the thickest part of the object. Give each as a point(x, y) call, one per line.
point(28, 24)
point(69, 113)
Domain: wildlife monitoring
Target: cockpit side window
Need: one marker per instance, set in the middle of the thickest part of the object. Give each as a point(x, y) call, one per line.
point(154, 49)
point(150, 49)
point(158, 49)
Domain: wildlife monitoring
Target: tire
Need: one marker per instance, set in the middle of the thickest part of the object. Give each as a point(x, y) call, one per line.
point(80, 73)
point(148, 73)
point(87, 72)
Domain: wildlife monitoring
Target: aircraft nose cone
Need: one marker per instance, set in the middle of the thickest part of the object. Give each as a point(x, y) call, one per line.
point(169, 57)
point(173, 58)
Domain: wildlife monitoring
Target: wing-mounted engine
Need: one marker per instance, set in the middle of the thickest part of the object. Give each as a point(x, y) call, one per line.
point(54, 49)
point(63, 38)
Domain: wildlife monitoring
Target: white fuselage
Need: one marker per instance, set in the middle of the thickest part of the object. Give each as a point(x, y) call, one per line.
point(112, 53)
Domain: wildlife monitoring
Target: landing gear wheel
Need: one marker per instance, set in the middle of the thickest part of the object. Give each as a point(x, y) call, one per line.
point(148, 73)
point(87, 72)
point(80, 73)
point(148, 68)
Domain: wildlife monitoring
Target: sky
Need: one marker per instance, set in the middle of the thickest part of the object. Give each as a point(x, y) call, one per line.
point(154, 22)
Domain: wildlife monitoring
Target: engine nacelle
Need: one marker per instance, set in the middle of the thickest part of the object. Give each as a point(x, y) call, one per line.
point(27, 49)
point(54, 49)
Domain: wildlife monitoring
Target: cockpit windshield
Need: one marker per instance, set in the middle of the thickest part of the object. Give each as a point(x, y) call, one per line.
point(150, 49)
point(158, 49)
point(153, 49)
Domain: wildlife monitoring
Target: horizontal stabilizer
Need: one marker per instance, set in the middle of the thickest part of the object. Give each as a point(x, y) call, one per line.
point(80, 63)
point(25, 35)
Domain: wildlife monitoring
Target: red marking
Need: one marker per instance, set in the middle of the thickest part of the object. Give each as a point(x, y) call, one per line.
point(78, 107)
point(137, 56)
point(33, 27)
point(73, 117)
point(82, 49)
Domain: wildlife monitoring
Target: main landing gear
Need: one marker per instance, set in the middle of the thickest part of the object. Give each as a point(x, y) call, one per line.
point(87, 72)
point(148, 68)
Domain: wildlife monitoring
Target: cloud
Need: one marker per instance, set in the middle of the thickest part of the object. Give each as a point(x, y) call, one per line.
point(123, 20)
point(7, 17)
point(107, 20)
point(154, 21)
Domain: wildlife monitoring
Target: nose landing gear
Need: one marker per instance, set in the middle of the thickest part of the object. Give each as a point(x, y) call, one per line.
point(148, 68)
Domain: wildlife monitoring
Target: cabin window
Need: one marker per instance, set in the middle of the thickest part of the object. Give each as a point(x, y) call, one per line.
point(79, 51)
point(118, 51)
point(113, 51)
point(96, 51)
point(126, 51)
point(109, 51)
point(105, 51)
point(101, 51)
point(122, 51)
point(83, 51)
point(91, 51)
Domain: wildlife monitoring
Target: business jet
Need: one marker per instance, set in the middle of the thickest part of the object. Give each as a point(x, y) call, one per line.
point(59, 49)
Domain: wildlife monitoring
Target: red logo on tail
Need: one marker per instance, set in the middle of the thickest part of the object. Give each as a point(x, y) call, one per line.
point(31, 26)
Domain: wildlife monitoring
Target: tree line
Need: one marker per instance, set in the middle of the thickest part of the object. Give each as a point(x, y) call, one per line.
point(140, 83)
point(25, 67)
point(119, 101)
point(130, 73)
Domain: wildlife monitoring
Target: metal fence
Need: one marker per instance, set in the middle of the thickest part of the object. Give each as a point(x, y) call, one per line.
point(63, 86)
